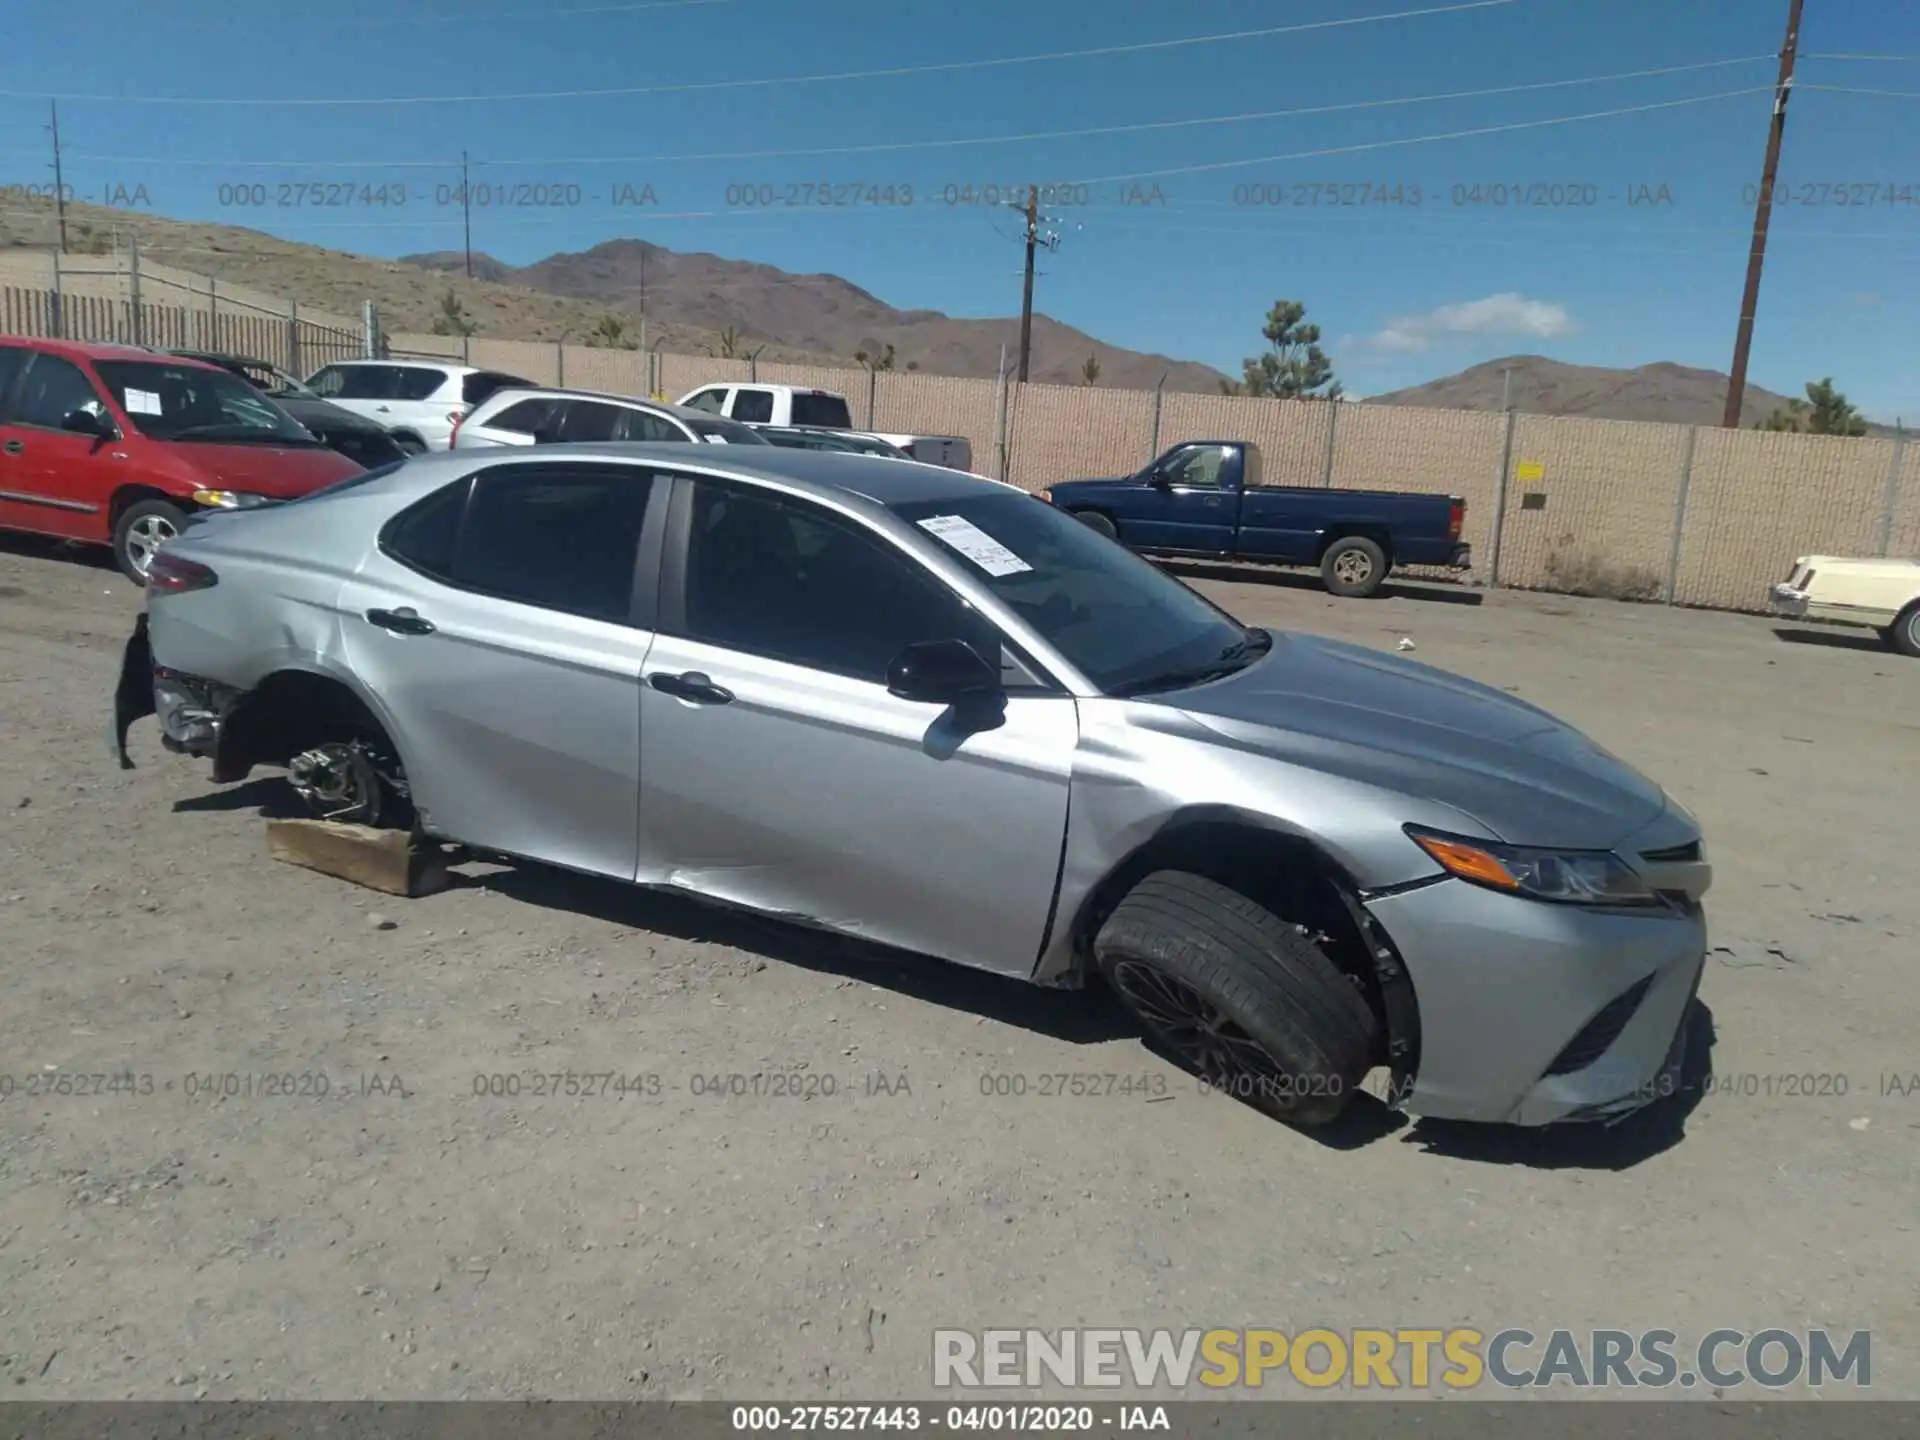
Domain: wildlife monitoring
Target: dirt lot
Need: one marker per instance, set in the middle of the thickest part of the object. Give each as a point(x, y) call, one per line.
point(404, 1237)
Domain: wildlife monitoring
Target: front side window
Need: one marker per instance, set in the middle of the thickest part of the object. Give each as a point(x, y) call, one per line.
point(789, 581)
point(194, 402)
point(1118, 620)
point(562, 537)
point(827, 411)
point(711, 400)
point(1198, 467)
point(52, 390)
point(753, 407)
point(644, 425)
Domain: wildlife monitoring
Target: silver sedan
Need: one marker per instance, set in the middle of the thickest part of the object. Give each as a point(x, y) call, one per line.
point(909, 705)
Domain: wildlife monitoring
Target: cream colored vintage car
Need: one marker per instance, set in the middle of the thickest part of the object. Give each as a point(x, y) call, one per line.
point(1883, 594)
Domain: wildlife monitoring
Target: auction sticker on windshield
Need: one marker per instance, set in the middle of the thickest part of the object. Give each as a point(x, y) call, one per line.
point(974, 543)
point(143, 402)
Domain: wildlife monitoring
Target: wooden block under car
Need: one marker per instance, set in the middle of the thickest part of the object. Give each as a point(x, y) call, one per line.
point(385, 860)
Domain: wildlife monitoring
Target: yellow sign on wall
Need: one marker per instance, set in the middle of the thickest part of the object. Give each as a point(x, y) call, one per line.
point(1531, 470)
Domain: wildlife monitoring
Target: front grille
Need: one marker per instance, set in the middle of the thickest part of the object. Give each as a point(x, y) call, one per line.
point(1596, 1037)
point(1687, 854)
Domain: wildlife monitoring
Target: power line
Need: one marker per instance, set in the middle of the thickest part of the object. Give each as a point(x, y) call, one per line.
point(1896, 59)
point(1856, 90)
point(889, 147)
point(1422, 139)
point(941, 67)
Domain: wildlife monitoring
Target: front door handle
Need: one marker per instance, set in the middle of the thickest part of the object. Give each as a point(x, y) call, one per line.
point(404, 621)
point(690, 685)
point(14, 447)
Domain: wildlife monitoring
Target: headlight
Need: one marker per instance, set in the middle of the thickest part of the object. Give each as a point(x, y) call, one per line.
point(1571, 877)
point(230, 499)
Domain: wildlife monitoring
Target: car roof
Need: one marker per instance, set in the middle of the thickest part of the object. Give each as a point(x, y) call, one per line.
point(453, 365)
point(556, 392)
point(88, 350)
point(824, 474)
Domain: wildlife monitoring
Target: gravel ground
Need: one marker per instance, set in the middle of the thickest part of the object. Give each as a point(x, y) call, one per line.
point(403, 1237)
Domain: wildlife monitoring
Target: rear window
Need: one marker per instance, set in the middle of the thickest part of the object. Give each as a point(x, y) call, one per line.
point(727, 431)
point(478, 387)
point(827, 411)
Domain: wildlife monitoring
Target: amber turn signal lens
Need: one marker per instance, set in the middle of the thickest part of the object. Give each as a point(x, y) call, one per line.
point(1468, 862)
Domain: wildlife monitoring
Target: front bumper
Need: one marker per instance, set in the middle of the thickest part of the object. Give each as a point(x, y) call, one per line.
point(1532, 1013)
point(1783, 599)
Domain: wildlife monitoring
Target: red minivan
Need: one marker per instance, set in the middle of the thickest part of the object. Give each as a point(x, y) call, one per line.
point(116, 445)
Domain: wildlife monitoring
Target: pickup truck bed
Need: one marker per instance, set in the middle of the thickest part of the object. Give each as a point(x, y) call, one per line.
point(1204, 498)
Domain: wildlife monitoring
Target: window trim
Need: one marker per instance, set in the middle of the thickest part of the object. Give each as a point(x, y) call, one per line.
point(677, 541)
point(37, 358)
point(643, 605)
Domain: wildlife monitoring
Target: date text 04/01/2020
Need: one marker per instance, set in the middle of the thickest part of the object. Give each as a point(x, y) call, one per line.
point(1030, 1419)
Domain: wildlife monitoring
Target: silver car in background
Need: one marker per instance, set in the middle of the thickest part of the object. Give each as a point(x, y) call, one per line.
point(913, 706)
point(529, 415)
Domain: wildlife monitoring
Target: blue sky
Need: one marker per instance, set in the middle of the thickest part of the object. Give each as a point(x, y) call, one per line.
point(1404, 291)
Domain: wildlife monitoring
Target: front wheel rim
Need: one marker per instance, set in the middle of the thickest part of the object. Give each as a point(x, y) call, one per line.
point(1913, 630)
point(1202, 1035)
point(144, 537)
point(1353, 567)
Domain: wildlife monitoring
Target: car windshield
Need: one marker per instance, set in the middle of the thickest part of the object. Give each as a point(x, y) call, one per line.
point(194, 402)
point(712, 429)
point(1128, 627)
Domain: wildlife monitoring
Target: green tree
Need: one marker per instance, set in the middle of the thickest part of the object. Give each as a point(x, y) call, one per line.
point(610, 333)
point(876, 362)
point(729, 346)
point(1825, 411)
point(1090, 371)
point(453, 318)
point(1294, 366)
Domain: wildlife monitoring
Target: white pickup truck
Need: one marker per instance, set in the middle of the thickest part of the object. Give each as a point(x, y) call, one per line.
point(796, 405)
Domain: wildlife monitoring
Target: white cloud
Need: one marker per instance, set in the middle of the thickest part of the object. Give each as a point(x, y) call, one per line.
point(1506, 314)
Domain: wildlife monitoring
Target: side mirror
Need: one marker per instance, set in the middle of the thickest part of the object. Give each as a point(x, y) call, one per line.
point(942, 672)
point(87, 422)
point(1158, 480)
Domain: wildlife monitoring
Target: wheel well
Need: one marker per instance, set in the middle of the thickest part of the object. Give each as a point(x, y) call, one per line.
point(290, 711)
point(127, 496)
point(1296, 880)
point(1360, 532)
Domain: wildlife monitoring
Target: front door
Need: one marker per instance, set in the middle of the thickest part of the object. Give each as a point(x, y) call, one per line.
point(505, 647)
point(1187, 501)
point(56, 481)
point(779, 773)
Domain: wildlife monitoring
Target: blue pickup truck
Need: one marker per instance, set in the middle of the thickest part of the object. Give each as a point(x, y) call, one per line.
point(1205, 498)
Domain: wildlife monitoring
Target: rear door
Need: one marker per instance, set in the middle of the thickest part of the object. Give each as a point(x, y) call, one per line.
point(423, 400)
point(14, 508)
point(502, 623)
point(60, 483)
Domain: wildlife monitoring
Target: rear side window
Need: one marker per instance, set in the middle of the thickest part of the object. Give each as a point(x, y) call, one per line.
point(416, 384)
point(529, 417)
point(584, 421)
point(424, 537)
point(562, 537)
point(827, 411)
point(711, 400)
point(477, 388)
point(13, 359)
point(753, 406)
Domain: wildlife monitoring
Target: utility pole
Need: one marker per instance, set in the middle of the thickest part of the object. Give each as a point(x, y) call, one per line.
point(1762, 215)
point(1026, 294)
point(643, 294)
point(59, 183)
point(466, 211)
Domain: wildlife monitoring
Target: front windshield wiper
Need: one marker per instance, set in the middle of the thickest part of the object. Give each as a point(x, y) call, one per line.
point(246, 433)
point(1237, 656)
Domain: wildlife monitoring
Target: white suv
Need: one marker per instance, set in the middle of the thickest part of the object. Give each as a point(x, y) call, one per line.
point(418, 401)
point(528, 415)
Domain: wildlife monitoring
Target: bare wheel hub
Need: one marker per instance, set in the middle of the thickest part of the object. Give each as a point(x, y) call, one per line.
point(1353, 567)
point(337, 782)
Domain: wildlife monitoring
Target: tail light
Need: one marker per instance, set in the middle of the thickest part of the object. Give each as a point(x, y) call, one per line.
point(173, 575)
point(1456, 518)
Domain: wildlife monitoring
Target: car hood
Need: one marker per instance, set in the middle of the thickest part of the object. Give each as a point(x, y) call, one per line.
point(281, 472)
point(311, 411)
point(1859, 565)
point(1347, 710)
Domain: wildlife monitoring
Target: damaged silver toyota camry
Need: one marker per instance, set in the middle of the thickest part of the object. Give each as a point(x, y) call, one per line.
point(911, 705)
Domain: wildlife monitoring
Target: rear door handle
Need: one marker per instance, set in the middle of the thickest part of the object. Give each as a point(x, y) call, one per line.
point(691, 685)
point(14, 447)
point(404, 621)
